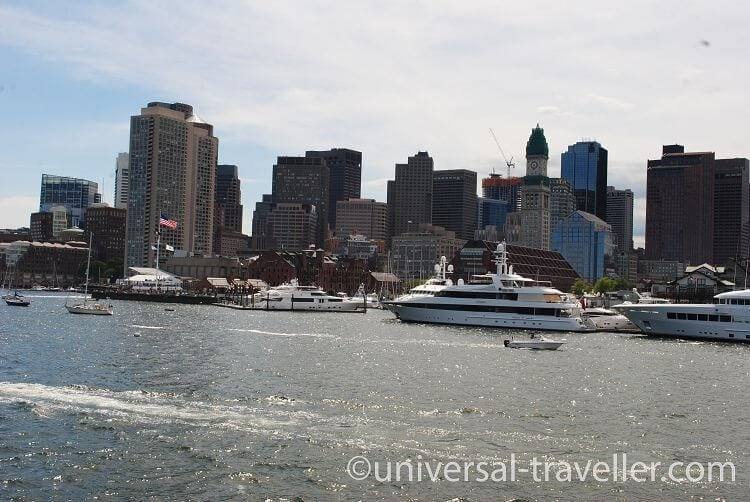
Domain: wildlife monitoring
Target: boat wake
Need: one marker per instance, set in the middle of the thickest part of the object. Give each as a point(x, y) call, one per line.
point(145, 327)
point(286, 335)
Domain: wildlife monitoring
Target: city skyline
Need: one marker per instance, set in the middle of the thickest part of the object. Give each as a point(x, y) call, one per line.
point(647, 83)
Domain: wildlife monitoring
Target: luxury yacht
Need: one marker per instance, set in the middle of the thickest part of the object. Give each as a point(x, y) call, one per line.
point(292, 296)
point(608, 320)
point(728, 318)
point(503, 299)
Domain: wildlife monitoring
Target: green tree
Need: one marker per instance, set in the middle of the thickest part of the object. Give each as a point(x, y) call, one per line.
point(580, 287)
point(606, 284)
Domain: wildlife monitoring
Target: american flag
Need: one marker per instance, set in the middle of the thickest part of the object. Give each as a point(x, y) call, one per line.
point(164, 221)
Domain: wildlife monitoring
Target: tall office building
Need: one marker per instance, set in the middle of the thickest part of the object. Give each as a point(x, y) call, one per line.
point(454, 201)
point(362, 217)
point(505, 189)
point(584, 166)
point(491, 213)
point(411, 202)
point(620, 217)
point(122, 180)
point(41, 227)
point(345, 176)
point(260, 235)
point(229, 197)
point(292, 226)
point(680, 206)
point(562, 201)
point(304, 180)
point(731, 209)
point(172, 174)
point(75, 194)
point(530, 226)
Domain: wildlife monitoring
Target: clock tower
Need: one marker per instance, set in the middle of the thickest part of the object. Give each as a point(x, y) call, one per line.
point(537, 153)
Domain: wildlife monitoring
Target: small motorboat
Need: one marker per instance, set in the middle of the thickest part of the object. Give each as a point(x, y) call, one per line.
point(536, 342)
point(90, 308)
point(17, 300)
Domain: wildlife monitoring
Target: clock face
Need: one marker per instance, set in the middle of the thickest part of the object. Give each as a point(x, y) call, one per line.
point(534, 164)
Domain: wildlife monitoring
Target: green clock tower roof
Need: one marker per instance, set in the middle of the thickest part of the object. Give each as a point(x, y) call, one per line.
point(537, 144)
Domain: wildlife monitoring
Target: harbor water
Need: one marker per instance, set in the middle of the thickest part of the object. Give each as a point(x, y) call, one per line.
point(205, 403)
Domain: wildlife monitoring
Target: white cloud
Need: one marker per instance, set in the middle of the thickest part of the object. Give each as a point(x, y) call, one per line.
point(17, 208)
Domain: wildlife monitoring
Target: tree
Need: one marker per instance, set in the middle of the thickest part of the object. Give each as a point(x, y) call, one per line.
point(580, 287)
point(606, 284)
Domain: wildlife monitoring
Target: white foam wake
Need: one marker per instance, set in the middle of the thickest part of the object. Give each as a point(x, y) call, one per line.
point(286, 335)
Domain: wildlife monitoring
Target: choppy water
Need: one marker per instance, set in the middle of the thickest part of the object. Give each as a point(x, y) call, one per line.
point(209, 403)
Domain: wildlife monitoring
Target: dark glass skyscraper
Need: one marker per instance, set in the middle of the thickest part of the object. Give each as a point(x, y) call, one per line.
point(229, 197)
point(75, 194)
point(454, 201)
point(584, 166)
point(345, 176)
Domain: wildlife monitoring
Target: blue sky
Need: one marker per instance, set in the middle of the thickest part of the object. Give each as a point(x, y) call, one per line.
point(388, 78)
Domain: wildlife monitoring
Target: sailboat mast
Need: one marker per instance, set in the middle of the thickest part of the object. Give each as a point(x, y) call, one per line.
point(88, 266)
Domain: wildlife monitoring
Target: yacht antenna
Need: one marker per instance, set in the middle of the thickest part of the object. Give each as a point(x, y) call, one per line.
point(501, 259)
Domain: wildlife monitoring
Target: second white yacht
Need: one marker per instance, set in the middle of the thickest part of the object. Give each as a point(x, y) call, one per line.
point(503, 300)
point(294, 297)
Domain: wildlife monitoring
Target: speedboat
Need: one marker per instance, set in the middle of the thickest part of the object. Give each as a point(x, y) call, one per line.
point(17, 300)
point(536, 342)
point(502, 300)
point(608, 320)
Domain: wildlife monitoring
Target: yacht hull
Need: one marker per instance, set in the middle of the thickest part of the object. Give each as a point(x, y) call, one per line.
point(75, 309)
point(652, 320)
point(487, 319)
point(287, 306)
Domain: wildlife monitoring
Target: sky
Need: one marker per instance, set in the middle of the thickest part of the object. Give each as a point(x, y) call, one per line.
point(388, 78)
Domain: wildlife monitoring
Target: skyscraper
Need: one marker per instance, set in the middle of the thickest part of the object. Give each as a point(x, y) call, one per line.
point(345, 177)
point(530, 226)
point(680, 206)
point(292, 226)
point(492, 213)
point(122, 180)
point(108, 226)
point(562, 201)
point(584, 166)
point(454, 201)
point(172, 175)
point(304, 180)
point(75, 194)
point(620, 217)
point(505, 189)
point(731, 209)
point(412, 193)
point(229, 197)
point(260, 233)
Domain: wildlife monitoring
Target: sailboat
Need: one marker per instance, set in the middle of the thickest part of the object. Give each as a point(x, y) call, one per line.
point(16, 299)
point(86, 307)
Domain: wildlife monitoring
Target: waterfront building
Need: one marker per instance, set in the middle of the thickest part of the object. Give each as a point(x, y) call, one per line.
point(362, 217)
point(107, 224)
point(345, 177)
point(202, 267)
point(75, 194)
point(292, 226)
point(172, 176)
point(585, 241)
point(45, 263)
point(415, 253)
point(477, 257)
point(122, 180)
point(410, 196)
point(15, 234)
point(620, 217)
point(304, 180)
point(562, 201)
point(659, 271)
point(41, 227)
point(584, 166)
point(626, 266)
point(454, 201)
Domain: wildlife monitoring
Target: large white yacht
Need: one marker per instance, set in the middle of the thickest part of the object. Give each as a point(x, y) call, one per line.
point(294, 297)
point(728, 318)
point(503, 299)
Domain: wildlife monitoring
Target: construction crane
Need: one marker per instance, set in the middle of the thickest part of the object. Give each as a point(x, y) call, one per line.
point(508, 163)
